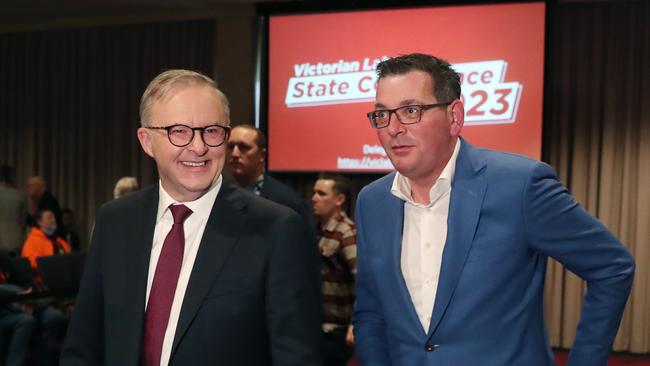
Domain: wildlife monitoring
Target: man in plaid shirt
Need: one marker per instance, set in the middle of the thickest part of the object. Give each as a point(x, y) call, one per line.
point(338, 248)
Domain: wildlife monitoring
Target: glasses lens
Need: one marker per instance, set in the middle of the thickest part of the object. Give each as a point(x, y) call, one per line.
point(380, 118)
point(214, 135)
point(180, 135)
point(409, 114)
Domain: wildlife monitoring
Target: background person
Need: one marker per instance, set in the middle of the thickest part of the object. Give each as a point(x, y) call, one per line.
point(69, 229)
point(16, 320)
point(51, 318)
point(246, 159)
point(41, 199)
point(13, 210)
point(43, 240)
point(338, 249)
point(125, 185)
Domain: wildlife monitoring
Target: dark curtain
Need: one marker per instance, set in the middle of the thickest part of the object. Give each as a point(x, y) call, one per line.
point(597, 136)
point(69, 103)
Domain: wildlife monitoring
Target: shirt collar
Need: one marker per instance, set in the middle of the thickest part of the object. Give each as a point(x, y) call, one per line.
point(334, 220)
point(202, 204)
point(257, 185)
point(401, 187)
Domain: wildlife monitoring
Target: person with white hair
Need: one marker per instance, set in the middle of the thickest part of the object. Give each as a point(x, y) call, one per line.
point(125, 185)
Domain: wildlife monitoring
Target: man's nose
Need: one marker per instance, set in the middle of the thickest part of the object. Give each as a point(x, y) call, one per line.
point(235, 151)
point(395, 127)
point(197, 144)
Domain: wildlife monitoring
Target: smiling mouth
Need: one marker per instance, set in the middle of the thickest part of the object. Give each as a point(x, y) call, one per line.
point(194, 164)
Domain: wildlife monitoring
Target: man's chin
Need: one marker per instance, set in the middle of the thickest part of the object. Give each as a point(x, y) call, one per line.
point(195, 191)
point(240, 175)
point(236, 169)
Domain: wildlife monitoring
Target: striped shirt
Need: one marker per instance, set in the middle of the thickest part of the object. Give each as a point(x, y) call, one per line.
point(338, 248)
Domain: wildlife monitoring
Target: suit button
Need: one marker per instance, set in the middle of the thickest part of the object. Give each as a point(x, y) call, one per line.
point(430, 347)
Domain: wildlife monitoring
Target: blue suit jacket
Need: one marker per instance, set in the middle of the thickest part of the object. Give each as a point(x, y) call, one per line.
point(507, 214)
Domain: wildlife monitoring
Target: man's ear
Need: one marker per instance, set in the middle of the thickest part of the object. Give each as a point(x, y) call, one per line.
point(145, 141)
point(340, 200)
point(457, 115)
point(263, 153)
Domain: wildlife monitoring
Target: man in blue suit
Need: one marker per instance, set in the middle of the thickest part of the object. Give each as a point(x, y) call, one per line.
point(452, 248)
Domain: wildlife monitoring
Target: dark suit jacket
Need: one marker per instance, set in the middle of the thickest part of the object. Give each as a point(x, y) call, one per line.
point(247, 303)
point(507, 215)
point(281, 193)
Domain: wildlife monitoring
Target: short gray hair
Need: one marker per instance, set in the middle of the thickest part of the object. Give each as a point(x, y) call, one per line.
point(162, 84)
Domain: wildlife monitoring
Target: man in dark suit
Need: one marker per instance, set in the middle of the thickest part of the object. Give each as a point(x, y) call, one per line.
point(452, 248)
point(246, 159)
point(193, 271)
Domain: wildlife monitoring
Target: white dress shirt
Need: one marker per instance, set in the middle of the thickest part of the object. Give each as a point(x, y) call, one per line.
point(193, 228)
point(423, 238)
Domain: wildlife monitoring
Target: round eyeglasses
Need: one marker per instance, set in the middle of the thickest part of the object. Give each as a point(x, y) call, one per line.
point(182, 135)
point(406, 115)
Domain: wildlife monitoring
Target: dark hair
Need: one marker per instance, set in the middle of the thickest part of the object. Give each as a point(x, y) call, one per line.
point(260, 139)
point(446, 81)
point(40, 212)
point(341, 184)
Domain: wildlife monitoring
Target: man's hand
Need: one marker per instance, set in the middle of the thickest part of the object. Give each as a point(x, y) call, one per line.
point(349, 337)
point(25, 292)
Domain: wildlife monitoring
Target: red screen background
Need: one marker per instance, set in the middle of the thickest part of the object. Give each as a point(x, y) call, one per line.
point(310, 138)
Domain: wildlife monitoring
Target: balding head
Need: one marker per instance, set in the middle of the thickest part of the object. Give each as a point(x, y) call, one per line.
point(36, 187)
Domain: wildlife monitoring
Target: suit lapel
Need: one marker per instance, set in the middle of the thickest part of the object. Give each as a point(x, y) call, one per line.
point(221, 233)
point(137, 267)
point(396, 210)
point(464, 211)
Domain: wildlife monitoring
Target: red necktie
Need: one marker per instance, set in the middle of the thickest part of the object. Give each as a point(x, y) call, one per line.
point(163, 287)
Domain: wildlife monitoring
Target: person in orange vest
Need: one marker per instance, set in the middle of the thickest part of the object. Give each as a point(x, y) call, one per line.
point(42, 240)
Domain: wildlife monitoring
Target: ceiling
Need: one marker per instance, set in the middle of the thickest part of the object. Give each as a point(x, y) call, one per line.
point(17, 14)
point(24, 11)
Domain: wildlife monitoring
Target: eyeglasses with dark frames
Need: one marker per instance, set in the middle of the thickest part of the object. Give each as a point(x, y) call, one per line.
point(406, 115)
point(181, 135)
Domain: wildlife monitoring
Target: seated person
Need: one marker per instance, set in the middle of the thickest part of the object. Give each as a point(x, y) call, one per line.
point(16, 321)
point(69, 230)
point(42, 241)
